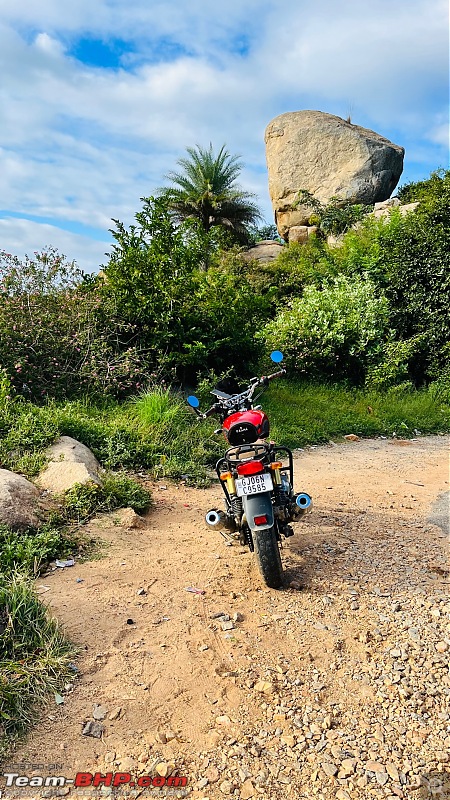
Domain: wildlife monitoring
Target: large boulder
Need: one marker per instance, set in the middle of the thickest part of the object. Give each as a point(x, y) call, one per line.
point(265, 251)
point(70, 462)
point(19, 502)
point(328, 157)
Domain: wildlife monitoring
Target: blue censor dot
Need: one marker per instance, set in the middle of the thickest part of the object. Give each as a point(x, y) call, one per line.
point(277, 356)
point(193, 401)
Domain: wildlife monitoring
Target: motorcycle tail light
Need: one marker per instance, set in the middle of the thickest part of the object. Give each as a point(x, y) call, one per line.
point(250, 468)
point(262, 520)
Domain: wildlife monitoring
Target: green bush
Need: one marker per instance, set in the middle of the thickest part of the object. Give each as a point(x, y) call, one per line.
point(407, 258)
point(333, 333)
point(187, 318)
point(118, 490)
point(394, 368)
point(59, 334)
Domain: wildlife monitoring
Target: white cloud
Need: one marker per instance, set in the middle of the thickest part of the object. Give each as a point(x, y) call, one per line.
point(83, 144)
point(22, 237)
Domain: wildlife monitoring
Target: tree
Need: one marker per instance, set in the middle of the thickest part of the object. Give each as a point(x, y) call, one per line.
point(206, 190)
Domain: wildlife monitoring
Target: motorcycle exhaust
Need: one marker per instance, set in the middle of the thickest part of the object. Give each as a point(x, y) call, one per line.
point(303, 503)
point(216, 519)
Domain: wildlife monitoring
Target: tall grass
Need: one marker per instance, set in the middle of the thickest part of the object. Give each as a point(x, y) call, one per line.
point(35, 655)
point(310, 414)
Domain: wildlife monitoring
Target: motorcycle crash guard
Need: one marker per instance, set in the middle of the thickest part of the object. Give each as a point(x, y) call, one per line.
point(258, 505)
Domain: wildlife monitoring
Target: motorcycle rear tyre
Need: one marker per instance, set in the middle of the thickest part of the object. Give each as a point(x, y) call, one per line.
point(268, 557)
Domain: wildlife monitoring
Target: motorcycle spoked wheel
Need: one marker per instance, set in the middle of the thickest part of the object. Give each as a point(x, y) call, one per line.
point(267, 553)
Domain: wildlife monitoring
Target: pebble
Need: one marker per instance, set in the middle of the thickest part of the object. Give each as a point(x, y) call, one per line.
point(329, 768)
point(94, 729)
point(247, 790)
point(264, 687)
point(99, 712)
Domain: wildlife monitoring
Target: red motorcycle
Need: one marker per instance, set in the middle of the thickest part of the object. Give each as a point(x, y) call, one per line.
point(256, 477)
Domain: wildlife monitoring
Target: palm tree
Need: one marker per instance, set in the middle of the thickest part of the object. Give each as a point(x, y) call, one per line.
point(206, 189)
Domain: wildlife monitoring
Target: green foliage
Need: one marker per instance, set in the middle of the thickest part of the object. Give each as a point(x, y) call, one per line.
point(58, 333)
point(333, 218)
point(34, 654)
point(27, 551)
point(188, 318)
point(118, 490)
point(303, 413)
point(261, 233)
point(206, 190)
point(333, 333)
point(427, 190)
point(394, 367)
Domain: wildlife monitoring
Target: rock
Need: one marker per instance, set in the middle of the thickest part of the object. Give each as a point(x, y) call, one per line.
point(392, 771)
point(351, 437)
point(70, 463)
point(375, 766)
point(288, 740)
point(99, 712)
point(265, 687)
point(384, 209)
point(228, 625)
point(329, 768)
point(226, 787)
point(264, 251)
point(341, 794)
point(19, 502)
point(164, 769)
point(129, 519)
point(347, 767)
point(94, 729)
point(223, 719)
point(442, 647)
point(247, 790)
point(115, 714)
point(328, 157)
point(213, 774)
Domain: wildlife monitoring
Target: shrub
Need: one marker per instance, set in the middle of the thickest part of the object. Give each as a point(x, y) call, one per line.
point(188, 318)
point(59, 334)
point(333, 333)
point(333, 218)
point(394, 367)
point(407, 257)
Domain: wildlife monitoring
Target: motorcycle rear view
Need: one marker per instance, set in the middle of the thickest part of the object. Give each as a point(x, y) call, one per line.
point(256, 477)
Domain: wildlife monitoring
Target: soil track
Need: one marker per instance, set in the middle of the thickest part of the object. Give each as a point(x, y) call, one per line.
point(313, 687)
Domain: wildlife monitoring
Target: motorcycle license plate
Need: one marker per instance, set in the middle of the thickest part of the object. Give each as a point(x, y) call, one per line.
point(254, 484)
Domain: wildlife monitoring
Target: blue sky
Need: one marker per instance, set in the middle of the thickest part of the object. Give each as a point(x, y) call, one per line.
point(99, 99)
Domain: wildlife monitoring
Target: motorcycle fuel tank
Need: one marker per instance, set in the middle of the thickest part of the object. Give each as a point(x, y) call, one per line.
point(245, 427)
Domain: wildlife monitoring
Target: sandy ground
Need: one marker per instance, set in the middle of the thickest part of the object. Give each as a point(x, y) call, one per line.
point(178, 689)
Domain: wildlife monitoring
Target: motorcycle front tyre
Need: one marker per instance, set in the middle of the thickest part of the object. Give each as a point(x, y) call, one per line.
point(268, 557)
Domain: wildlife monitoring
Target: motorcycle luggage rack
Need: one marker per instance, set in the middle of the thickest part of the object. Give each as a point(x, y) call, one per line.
point(246, 452)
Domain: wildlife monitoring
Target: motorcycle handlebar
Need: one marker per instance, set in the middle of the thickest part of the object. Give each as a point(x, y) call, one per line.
point(274, 375)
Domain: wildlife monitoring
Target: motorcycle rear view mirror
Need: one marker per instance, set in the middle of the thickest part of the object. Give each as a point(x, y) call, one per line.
point(276, 356)
point(193, 401)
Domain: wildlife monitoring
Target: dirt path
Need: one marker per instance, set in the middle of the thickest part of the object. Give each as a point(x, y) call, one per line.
point(337, 690)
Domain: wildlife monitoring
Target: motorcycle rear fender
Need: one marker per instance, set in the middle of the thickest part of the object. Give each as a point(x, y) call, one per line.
point(258, 505)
